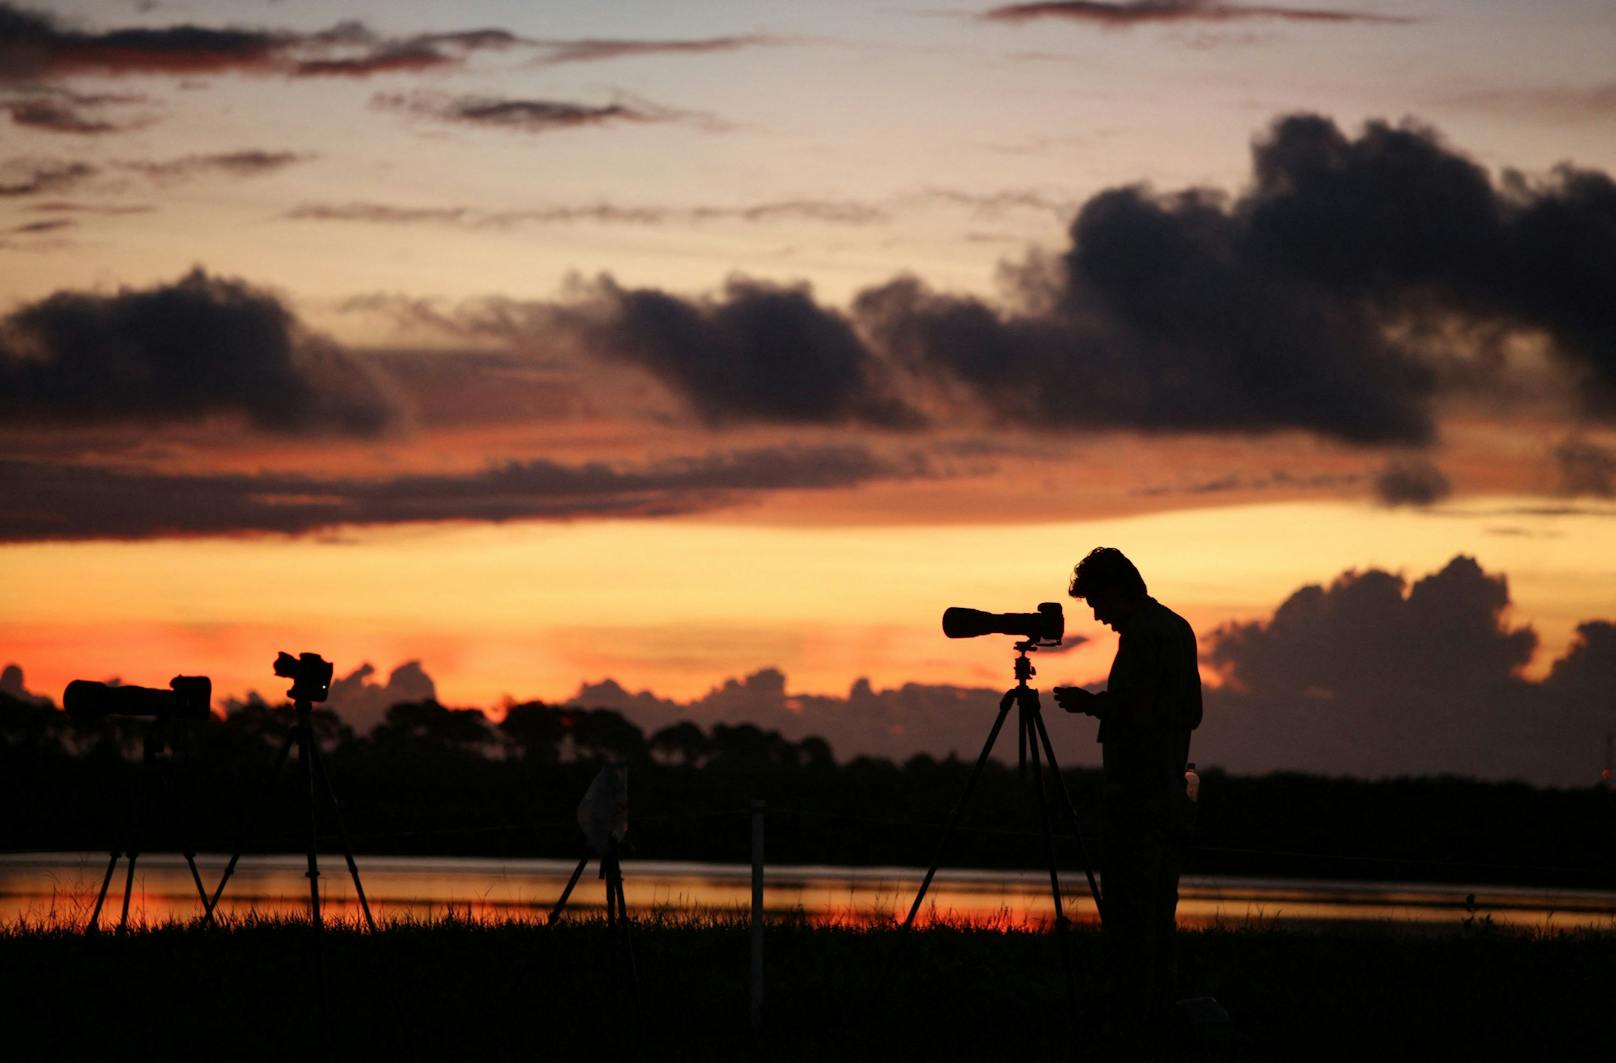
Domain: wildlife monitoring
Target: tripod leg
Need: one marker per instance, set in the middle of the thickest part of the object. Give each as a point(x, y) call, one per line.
point(577, 872)
point(628, 938)
point(1065, 944)
point(305, 742)
point(230, 868)
point(137, 821)
point(1071, 815)
point(959, 810)
point(128, 888)
point(342, 833)
point(180, 803)
point(101, 897)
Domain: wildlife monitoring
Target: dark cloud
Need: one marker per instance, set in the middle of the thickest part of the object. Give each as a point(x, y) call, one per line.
point(62, 206)
point(44, 500)
point(66, 112)
point(838, 212)
point(525, 116)
point(246, 163)
point(362, 703)
point(1291, 306)
point(1278, 479)
point(402, 57)
point(180, 352)
point(1411, 482)
point(52, 226)
point(757, 352)
point(1584, 676)
point(34, 45)
point(594, 50)
point(1373, 676)
point(1124, 14)
point(1586, 468)
point(13, 685)
point(31, 177)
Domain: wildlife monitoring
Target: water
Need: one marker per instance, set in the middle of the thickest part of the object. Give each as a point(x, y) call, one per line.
point(60, 888)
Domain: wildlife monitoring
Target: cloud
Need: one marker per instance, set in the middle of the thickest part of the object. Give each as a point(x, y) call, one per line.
point(1277, 479)
point(48, 500)
point(756, 352)
point(201, 346)
point(37, 46)
point(63, 206)
point(55, 111)
point(362, 703)
point(1586, 468)
point(1126, 14)
point(589, 50)
point(1411, 482)
point(1306, 302)
point(34, 227)
point(30, 177)
point(245, 163)
point(1372, 675)
point(1353, 284)
point(895, 723)
point(838, 212)
point(13, 685)
point(524, 116)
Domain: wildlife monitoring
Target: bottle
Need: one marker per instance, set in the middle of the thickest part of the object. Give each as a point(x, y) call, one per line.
point(1192, 782)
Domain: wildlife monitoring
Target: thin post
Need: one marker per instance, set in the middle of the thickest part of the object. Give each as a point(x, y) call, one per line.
point(757, 915)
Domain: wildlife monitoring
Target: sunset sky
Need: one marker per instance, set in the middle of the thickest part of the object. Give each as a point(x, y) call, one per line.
point(670, 344)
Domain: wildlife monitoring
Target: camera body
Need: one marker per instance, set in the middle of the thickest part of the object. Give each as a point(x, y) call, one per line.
point(310, 675)
point(188, 697)
point(1046, 627)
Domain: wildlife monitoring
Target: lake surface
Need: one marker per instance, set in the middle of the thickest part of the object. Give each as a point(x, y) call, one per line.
point(61, 888)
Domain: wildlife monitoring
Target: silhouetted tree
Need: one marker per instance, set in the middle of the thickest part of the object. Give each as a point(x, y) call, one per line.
point(681, 743)
point(602, 734)
point(464, 731)
point(535, 731)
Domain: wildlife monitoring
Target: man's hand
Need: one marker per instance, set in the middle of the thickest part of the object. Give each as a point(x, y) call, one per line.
point(1076, 699)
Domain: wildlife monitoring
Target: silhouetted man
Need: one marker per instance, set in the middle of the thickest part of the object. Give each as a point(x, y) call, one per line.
point(1151, 703)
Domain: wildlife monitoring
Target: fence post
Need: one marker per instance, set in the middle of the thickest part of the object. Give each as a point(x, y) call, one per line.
point(756, 1009)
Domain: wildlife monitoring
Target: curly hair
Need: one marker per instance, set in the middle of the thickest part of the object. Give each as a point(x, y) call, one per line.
point(1106, 569)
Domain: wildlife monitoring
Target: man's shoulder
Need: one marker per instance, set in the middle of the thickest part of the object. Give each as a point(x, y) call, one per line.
point(1164, 621)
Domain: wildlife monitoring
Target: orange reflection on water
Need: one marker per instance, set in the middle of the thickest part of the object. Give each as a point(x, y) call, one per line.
point(60, 888)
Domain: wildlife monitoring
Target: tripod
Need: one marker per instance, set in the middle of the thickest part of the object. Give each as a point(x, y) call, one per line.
point(1033, 739)
point(312, 771)
point(155, 741)
point(603, 815)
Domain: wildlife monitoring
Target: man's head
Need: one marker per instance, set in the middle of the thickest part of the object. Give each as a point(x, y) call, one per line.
point(1110, 584)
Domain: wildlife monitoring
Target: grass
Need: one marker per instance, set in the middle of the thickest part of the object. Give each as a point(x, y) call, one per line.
point(260, 988)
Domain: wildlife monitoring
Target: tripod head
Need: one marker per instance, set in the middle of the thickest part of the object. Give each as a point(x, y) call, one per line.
point(1023, 664)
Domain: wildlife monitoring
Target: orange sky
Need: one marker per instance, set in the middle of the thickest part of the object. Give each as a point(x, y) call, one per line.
point(500, 470)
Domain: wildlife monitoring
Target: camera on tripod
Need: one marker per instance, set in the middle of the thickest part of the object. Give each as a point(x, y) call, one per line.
point(188, 697)
point(310, 675)
point(1046, 627)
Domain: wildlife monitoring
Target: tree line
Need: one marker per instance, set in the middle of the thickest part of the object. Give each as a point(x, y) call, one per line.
point(435, 780)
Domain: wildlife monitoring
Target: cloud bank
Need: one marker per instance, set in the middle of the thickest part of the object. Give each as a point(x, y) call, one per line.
point(181, 352)
point(1371, 675)
point(1354, 285)
point(35, 45)
point(1141, 12)
point(49, 500)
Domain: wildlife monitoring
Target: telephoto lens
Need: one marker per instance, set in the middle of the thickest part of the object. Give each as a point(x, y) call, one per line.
point(188, 697)
point(1047, 625)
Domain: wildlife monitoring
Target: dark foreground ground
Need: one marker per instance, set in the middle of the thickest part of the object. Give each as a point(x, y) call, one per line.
point(468, 992)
